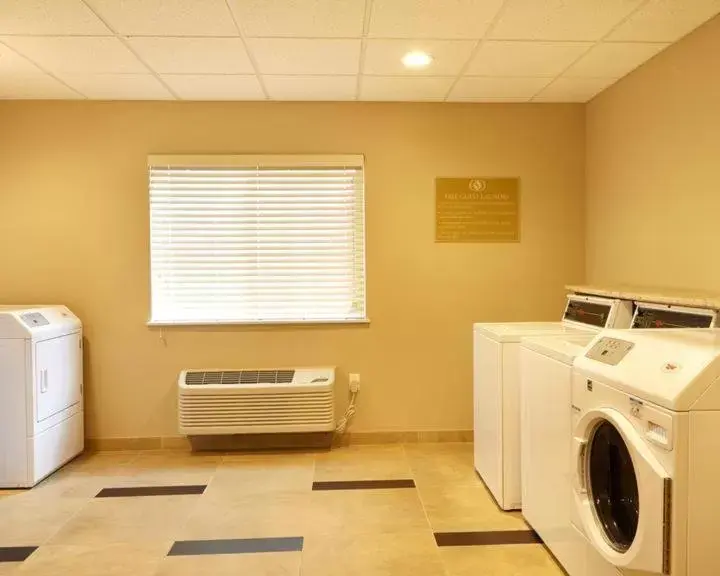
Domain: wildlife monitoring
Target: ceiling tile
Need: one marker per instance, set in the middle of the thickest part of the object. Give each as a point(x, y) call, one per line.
point(613, 60)
point(34, 86)
point(49, 17)
point(311, 87)
point(499, 58)
point(84, 55)
point(665, 20)
point(582, 20)
point(385, 88)
point(193, 55)
point(13, 63)
point(487, 87)
point(432, 19)
point(284, 56)
point(573, 89)
point(167, 17)
point(214, 86)
point(118, 86)
point(300, 18)
point(20, 79)
point(383, 57)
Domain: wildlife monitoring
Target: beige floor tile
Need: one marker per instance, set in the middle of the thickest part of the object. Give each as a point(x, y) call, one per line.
point(506, 560)
point(173, 468)
point(68, 485)
point(252, 516)
point(9, 568)
point(362, 463)
point(445, 463)
point(398, 554)
point(141, 559)
point(102, 463)
point(127, 520)
point(365, 511)
point(26, 520)
point(242, 476)
point(465, 507)
point(273, 564)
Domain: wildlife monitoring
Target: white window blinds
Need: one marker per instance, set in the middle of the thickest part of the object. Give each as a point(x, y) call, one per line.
point(257, 239)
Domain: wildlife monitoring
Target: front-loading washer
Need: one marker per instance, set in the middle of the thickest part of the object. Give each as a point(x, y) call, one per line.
point(546, 368)
point(645, 441)
point(496, 386)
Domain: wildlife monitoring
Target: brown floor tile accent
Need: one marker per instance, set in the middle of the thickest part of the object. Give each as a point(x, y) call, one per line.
point(16, 553)
point(363, 484)
point(150, 491)
point(236, 546)
point(487, 538)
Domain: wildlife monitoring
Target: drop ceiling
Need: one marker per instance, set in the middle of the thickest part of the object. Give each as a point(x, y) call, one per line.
point(482, 50)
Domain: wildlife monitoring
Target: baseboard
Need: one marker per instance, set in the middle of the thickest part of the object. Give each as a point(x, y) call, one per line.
point(266, 441)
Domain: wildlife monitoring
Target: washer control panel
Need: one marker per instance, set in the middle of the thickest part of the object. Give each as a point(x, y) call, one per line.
point(609, 350)
point(34, 319)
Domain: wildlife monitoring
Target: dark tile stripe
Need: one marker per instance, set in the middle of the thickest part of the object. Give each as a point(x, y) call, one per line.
point(242, 546)
point(16, 554)
point(363, 484)
point(150, 491)
point(487, 538)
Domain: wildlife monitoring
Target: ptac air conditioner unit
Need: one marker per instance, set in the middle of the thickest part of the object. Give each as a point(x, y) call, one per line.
point(256, 401)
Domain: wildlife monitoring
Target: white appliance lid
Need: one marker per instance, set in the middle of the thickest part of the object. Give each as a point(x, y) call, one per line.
point(515, 331)
point(42, 321)
point(562, 348)
point(671, 368)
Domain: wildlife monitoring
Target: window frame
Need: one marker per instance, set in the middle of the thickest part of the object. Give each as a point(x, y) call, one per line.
point(266, 161)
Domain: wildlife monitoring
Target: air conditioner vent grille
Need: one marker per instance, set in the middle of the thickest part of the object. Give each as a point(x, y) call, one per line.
point(238, 377)
point(253, 401)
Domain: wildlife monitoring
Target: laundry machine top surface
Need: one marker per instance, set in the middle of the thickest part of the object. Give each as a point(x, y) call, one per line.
point(675, 369)
point(562, 348)
point(38, 322)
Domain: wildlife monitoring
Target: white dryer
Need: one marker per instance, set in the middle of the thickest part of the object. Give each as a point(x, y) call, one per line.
point(546, 368)
point(496, 386)
point(41, 392)
point(645, 446)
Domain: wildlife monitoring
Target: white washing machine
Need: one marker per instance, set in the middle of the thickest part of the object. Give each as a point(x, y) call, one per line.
point(496, 386)
point(546, 368)
point(545, 426)
point(41, 392)
point(645, 451)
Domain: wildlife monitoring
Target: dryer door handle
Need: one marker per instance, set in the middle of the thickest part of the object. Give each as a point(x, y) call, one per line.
point(43, 380)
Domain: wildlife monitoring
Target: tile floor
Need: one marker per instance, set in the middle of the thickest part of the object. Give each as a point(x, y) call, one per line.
point(265, 516)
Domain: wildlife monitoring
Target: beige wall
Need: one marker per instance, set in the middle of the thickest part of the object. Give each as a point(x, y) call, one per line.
point(653, 166)
point(74, 229)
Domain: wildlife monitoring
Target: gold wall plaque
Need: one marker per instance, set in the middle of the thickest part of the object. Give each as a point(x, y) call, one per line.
point(477, 210)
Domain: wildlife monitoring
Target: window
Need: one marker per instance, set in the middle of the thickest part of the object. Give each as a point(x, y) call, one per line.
point(238, 239)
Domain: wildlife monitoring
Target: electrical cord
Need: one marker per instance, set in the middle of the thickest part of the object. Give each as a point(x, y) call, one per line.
point(349, 413)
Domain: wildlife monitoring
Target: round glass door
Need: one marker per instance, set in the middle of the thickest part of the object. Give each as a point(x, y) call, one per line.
point(612, 486)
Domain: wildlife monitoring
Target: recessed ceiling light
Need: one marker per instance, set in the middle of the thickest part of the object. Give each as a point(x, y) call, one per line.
point(416, 59)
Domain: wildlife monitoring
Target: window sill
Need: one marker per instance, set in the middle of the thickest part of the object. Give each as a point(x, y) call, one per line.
point(170, 323)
